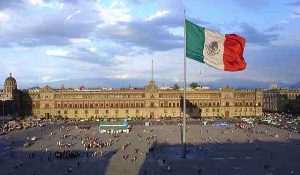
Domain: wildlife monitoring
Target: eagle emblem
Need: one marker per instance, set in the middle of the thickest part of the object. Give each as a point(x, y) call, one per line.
point(212, 48)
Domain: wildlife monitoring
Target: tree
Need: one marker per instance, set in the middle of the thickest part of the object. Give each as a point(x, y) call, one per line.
point(175, 87)
point(193, 85)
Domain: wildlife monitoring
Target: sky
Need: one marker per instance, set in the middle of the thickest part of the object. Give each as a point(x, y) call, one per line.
point(112, 42)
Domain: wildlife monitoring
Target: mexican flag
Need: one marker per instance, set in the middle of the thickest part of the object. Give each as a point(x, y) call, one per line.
point(223, 52)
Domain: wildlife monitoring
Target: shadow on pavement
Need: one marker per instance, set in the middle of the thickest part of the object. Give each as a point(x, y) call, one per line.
point(226, 158)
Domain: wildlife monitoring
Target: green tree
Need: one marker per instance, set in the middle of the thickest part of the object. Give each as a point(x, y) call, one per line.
point(176, 87)
point(193, 85)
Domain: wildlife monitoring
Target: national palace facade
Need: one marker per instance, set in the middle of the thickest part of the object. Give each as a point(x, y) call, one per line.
point(151, 102)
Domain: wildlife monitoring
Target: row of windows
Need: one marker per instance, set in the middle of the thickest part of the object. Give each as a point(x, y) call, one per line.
point(99, 96)
point(140, 105)
point(101, 105)
point(243, 103)
point(244, 95)
point(190, 95)
point(96, 112)
point(243, 109)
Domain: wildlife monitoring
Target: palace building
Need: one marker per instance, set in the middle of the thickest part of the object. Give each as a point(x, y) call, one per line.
point(149, 102)
point(282, 100)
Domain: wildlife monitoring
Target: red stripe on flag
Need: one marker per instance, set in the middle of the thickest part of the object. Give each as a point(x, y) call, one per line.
point(233, 53)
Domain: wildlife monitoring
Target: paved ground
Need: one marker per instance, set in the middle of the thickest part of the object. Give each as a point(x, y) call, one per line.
point(211, 150)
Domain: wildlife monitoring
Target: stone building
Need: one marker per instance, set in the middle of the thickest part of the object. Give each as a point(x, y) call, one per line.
point(150, 102)
point(282, 100)
point(10, 98)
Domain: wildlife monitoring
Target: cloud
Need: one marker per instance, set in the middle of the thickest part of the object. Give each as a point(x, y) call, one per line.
point(143, 34)
point(4, 17)
point(158, 14)
point(278, 26)
point(46, 4)
point(9, 4)
point(83, 54)
point(296, 3)
point(123, 76)
point(152, 34)
point(57, 53)
point(115, 13)
point(80, 40)
point(252, 4)
point(49, 28)
point(73, 14)
point(253, 36)
point(295, 15)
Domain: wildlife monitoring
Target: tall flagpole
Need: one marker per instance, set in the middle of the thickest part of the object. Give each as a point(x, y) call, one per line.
point(152, 70)
point(184, 94)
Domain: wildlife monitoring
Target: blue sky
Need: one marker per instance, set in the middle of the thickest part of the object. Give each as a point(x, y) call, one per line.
point(112, 42)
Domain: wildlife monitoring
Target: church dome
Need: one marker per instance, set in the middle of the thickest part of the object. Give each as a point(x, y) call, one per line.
point(10, 80)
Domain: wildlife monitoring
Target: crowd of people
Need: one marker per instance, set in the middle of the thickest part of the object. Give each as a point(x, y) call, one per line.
point(22, 124)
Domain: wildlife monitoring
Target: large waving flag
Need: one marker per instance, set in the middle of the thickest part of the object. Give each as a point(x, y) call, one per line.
point(223, 52)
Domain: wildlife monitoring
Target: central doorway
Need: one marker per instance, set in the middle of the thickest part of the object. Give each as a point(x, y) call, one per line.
point(151, 115)
point(226, 113)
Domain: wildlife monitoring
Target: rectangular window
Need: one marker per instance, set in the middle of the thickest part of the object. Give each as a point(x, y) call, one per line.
point(107, 111)
point(86, 111)
point(65, 112)
point(127, 112)
point(76, 112)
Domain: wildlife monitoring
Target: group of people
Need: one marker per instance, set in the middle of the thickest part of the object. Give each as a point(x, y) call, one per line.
point(21, 124)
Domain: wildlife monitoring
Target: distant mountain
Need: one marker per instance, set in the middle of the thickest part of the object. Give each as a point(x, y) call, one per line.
point(295, 86)
point(124, 83)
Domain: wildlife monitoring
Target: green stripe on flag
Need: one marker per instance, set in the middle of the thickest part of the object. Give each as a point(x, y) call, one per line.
point(195, 38)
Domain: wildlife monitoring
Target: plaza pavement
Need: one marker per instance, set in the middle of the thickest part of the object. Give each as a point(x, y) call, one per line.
point(211, 150)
